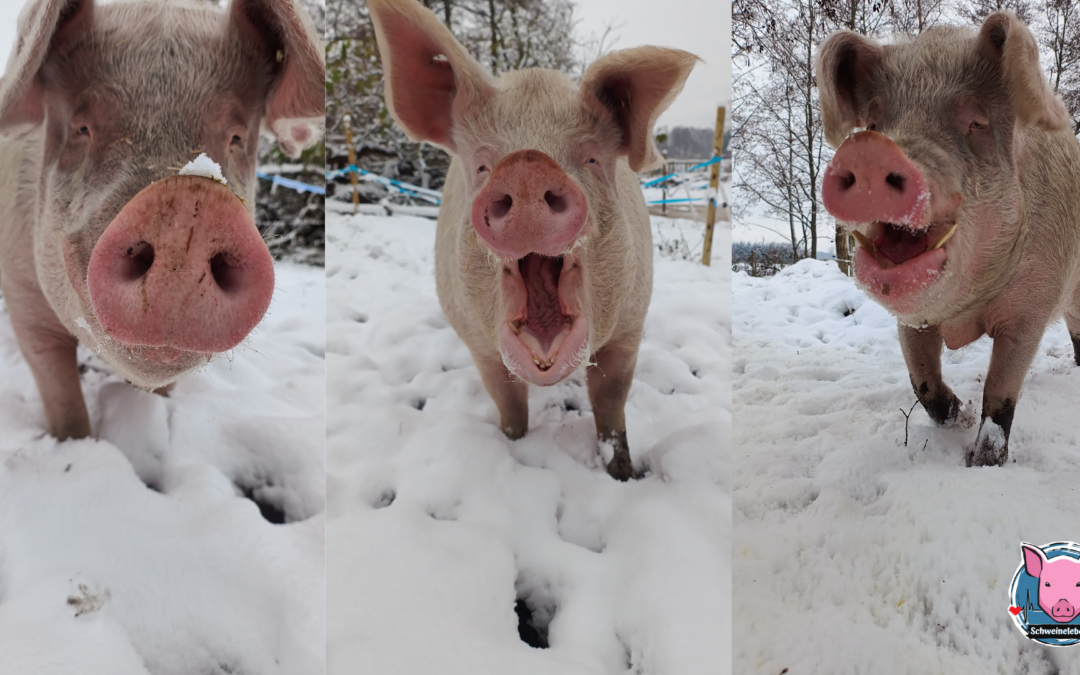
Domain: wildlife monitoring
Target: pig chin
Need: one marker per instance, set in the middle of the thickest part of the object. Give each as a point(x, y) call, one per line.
point(544, 335)
point(901, 266)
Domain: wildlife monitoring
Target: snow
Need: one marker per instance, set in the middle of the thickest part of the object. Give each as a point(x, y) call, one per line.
point(856, 553)
point(137, 552)
point(437, 523)
point(205, 167)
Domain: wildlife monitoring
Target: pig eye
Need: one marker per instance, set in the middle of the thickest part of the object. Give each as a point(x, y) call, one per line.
point(482, 169)
point(872, 127)
point(84, 130)
point(591, 160)
point(236, 140)
point(1048, 583)
point(976, 124)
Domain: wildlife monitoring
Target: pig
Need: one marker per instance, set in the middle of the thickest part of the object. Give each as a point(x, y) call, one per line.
point(962, 189)
point(543, 254)
point(1059, 582)
point(102, 241)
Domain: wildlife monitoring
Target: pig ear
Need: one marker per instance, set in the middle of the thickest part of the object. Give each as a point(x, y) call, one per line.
point(296, 106)
point(41, 25)
point(844, 62)
point(1034, 559)
point(636, 86)
point(1005, 40)
point(427, 73)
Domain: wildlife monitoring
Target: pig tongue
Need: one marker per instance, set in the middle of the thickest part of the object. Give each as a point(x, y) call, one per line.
point(544, 317)
point(900, 244)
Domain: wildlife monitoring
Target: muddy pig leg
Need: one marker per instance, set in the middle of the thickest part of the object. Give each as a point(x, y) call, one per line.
point(609, 378)
point(510, 394)
point(922, 353)
point(1010, 361)
point(50, 352)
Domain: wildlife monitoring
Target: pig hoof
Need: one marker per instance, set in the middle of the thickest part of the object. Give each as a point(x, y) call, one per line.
point(991, 447)
point(945, 411)
point(621, 468)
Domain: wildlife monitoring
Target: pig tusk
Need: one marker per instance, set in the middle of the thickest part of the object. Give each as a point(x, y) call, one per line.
point(945, 238)
point(864, 242)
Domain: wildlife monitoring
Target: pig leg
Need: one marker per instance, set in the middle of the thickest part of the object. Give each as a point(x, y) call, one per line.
point(1072, 322)
point(1009, 363)
point(50, 352)
point(510, 394)
point(922, 353)
point(609, 378)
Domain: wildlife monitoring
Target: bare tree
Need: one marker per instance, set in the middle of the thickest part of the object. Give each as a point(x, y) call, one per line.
point(778, 143)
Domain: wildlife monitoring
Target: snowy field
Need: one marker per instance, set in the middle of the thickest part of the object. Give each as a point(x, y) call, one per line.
point(856, 553)
point(139, 552)
point(443, 535)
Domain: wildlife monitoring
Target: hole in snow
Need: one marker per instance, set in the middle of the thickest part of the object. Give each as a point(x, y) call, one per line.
point(385, 499)
point(535, 608)
point(269, 506)
point(531, 631)
point(419, 403)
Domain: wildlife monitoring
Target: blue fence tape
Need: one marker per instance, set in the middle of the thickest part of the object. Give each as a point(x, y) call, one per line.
point(293, 184)
point(426, 194)
point(654, 181)
point(436, 197)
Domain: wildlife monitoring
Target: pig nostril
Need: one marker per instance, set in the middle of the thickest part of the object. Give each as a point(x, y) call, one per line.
point(847, 181)
point(896, 181)
point(137, 261)
point(501, 207)
point(225, 275)
point(556, 203)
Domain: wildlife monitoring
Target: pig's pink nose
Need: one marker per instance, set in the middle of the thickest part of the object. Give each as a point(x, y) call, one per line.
point(529, 205)
point(182, 265)
point(870, 178)
point(1062, 609)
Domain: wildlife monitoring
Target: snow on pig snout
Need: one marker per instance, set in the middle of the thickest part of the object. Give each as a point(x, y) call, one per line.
point(181, 266)
point(870, 178)
point(529, 205)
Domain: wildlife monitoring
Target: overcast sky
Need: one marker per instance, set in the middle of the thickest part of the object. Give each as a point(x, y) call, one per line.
point(702, 27)
point(699, 26)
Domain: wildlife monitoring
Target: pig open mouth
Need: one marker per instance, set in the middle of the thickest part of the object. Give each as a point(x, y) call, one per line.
point(894, 261)
point(544, 336)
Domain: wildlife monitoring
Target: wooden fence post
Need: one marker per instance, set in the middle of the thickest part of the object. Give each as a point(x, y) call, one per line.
point(714, 186)
point(663, 193)
point(352, 162)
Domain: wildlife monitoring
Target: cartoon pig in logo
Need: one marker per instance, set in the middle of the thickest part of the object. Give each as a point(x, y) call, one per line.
point(1059, 582)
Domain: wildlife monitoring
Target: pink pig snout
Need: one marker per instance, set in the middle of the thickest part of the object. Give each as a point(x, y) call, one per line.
point(529, 205)
point(1062, 610)
point(182, 265)
point(871, 179)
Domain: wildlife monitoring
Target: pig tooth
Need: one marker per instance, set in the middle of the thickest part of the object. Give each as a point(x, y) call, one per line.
point(864, 242)
point(945, 238)
point(536, 359)
point(516, 328)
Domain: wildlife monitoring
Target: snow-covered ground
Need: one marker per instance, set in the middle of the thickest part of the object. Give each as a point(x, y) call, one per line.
point(854, 553)
point(437, 523)
point(138, 553)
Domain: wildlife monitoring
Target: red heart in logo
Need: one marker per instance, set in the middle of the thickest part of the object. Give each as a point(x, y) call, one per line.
point(1014, 610)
